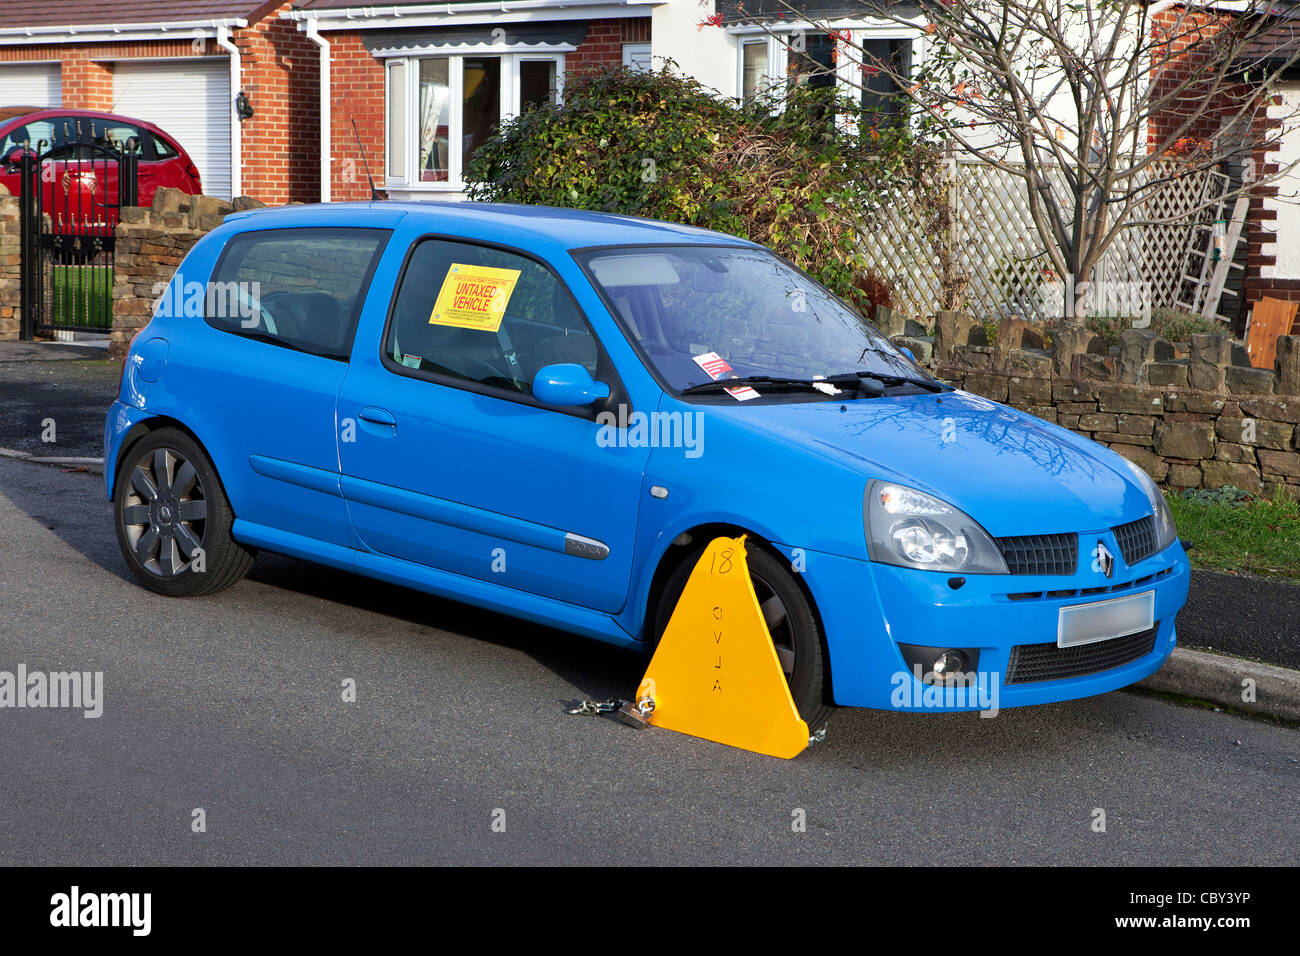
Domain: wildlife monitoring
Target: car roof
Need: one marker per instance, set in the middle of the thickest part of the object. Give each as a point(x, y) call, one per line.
point(32, 113)
point(502, 222)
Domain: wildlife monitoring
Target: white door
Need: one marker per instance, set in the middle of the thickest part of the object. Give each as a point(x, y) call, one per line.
point(190, 100)
point(636, 56)
point(30, 84)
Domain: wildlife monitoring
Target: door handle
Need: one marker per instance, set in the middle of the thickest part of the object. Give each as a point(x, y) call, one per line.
point(377, 416)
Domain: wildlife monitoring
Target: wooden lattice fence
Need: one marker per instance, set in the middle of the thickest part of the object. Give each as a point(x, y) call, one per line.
point(983, 254)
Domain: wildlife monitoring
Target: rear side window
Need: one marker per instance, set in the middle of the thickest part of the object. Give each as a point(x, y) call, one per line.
point(163, 149)
point(300, 288)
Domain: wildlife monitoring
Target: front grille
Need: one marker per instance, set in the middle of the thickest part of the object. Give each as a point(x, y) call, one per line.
point(1032, 662)
point(1137, 539)
point(1041, 553)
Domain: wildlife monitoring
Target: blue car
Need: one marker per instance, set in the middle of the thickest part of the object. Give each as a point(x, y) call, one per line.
point(551, 413)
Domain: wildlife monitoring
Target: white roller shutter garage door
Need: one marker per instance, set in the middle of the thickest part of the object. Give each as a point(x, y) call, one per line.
point(190, 100)
point(30, 84)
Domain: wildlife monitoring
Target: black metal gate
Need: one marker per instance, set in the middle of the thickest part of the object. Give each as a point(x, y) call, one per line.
point(72, 197)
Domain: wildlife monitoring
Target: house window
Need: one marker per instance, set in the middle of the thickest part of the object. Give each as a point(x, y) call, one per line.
point(442, 108)
point(814, 65)
point(793, 58)
point(881, 102)
point(754, 69)
point(396, 120)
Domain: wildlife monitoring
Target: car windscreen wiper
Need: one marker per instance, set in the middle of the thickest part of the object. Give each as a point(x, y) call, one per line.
point(929, 384)
point(768, 382)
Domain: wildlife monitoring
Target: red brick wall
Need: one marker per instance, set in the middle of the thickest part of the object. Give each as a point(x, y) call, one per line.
point(280, 73)
point(602, 46)
point(357, 93)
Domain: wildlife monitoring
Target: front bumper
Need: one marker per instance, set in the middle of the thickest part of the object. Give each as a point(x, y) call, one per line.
point(868, 609)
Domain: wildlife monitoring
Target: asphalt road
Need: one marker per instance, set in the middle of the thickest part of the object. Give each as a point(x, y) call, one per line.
point(1243, 614)
point(74, 394)
point(232, 704)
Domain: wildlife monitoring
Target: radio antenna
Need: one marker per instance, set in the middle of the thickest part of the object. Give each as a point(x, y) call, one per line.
point(374, 193)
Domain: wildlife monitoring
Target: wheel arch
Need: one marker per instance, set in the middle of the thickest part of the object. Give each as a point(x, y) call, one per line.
point(684, 546)
point(142, 430)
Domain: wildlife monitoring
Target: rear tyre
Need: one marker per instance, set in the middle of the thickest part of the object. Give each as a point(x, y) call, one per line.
point(173, 519)
point(796, 634)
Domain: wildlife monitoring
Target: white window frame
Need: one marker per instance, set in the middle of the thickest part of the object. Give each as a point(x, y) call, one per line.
point(773, 46)
point(509, 99)
point(777, 36)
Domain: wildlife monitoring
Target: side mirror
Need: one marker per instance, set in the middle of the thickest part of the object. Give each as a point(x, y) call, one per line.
point(908, 352)
point(567, 386)
point(15, 156)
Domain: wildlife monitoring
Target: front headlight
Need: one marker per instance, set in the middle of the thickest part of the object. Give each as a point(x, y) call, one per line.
point(1166, 533)
point(911, 529)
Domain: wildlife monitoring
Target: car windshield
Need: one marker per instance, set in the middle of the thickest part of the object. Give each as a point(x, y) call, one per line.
point(701, 313)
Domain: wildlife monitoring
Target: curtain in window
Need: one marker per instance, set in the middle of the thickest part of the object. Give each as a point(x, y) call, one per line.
point(435, 101)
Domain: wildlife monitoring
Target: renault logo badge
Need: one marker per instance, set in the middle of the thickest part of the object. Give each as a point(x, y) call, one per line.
point(1103, 560)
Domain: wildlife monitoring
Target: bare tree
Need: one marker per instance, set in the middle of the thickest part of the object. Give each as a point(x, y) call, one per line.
point(1096, 105)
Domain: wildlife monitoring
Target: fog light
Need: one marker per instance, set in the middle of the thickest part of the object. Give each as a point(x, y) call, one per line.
point(948, 665)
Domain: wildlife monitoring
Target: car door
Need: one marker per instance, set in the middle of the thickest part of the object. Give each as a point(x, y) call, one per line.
point(453, 464)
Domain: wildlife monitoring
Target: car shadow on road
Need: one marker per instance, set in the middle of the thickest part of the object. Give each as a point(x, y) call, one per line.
point(71, 504)
point(599, 670)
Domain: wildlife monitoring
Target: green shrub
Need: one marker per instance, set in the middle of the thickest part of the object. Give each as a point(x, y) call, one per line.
point(1172, 323)
point(660, 145)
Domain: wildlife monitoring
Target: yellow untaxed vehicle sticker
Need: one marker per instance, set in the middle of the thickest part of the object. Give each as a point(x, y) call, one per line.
point(474, 297)
point(715, 673)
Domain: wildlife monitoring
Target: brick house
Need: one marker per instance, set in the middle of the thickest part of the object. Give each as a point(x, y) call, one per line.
point(410, 88)
point(179, 64)
point(1270, 253)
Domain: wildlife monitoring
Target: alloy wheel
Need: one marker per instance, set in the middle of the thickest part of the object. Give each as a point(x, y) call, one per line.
point(164, 512)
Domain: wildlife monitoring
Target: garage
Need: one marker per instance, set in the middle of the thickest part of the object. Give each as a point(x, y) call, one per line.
point(191, 102)
point(31, 84)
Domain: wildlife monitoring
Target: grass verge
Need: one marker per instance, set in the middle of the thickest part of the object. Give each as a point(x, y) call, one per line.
point(1237, 532)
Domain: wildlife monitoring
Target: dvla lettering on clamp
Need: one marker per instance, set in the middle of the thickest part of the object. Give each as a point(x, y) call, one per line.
point(715, 673)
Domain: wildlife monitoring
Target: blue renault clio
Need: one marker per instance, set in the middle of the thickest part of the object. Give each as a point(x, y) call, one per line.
point(551, 413)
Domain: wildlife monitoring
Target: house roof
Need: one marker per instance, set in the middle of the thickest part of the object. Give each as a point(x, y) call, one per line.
point(16, 14)
point(767, 11)
point(378, 7)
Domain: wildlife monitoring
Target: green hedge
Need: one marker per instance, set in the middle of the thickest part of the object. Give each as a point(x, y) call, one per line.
point(660, 145)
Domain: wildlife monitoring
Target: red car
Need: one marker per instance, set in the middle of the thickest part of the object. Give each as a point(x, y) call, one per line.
point(58, 132)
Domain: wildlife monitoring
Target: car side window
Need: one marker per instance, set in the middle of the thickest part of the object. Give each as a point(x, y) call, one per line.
point(300, 288)
point(36, 136)
point(162, 149)
point(485, 315)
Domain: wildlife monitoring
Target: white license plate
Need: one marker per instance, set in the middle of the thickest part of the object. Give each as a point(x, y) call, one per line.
point(1104, 620)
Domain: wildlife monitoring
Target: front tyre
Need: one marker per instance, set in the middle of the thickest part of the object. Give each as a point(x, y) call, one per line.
point(173, 519)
